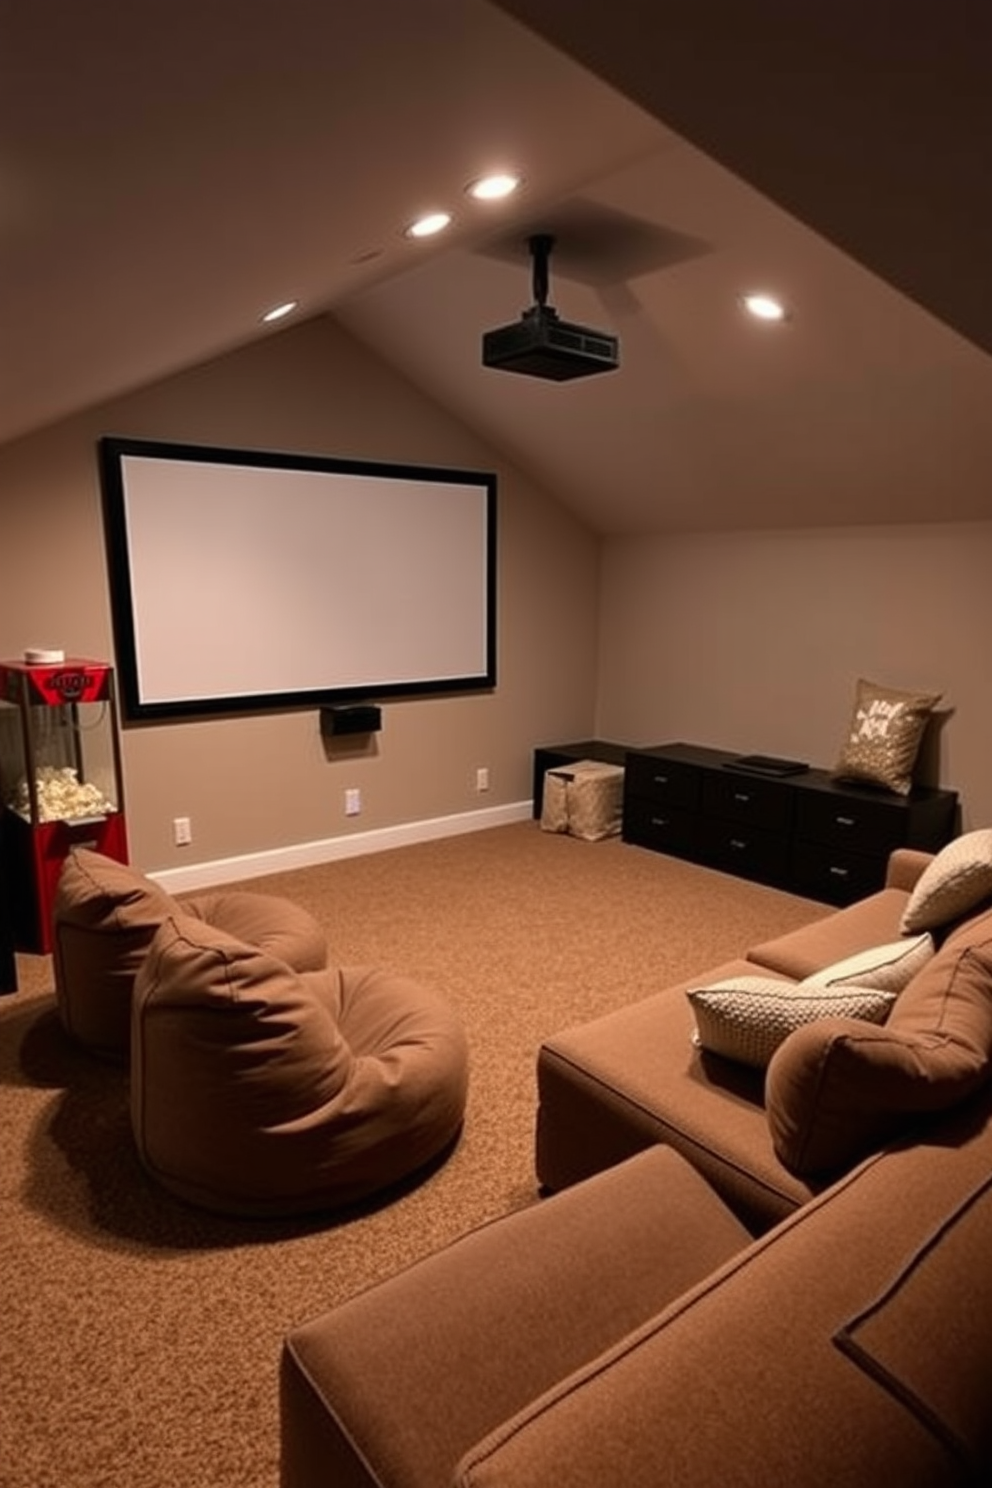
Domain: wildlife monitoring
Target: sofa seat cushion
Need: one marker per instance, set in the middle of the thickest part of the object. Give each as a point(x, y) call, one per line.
point(257, 1089)
point(105, 917)
point(395, 1384)
point(870, 922)
point(618, 1084)
point(838, 1089)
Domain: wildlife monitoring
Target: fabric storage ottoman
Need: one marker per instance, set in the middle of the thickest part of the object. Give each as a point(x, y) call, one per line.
point(584, 799)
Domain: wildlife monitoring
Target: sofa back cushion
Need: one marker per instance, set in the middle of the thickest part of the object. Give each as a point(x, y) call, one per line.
point(839, 1088)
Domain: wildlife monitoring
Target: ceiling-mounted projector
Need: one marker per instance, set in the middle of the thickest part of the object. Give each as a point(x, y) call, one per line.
point(539, 344)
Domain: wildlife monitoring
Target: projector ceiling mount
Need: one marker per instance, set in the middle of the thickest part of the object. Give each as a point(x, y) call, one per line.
point(539, 344)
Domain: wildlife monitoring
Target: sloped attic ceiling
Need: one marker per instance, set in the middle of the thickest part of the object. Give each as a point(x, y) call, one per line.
point(170, 170)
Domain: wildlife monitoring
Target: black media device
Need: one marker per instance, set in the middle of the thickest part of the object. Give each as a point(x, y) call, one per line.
point(358, 718)
point(766, 764)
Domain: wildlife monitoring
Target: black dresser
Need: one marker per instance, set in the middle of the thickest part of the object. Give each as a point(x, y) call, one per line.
point(806, 832)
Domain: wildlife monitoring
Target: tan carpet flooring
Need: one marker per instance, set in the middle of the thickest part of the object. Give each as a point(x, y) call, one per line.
point(139, 1339)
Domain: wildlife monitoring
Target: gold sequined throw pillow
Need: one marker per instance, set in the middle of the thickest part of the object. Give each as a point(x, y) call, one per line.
point(884, 736)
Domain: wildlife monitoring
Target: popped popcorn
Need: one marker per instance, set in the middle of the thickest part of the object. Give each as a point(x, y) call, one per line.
point(62, 796)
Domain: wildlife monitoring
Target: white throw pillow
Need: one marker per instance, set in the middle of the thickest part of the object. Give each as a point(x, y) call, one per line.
point(745, 1018)
point(888, 967)
point(958, 880)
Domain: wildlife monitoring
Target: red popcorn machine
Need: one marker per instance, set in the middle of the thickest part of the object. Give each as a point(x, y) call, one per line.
point(60, 783)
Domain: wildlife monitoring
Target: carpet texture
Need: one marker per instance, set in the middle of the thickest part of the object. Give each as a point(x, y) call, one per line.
point(140, 1339)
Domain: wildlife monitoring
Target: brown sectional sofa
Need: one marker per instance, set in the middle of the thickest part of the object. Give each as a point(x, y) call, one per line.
point(693, 1313)
point(611, 1087)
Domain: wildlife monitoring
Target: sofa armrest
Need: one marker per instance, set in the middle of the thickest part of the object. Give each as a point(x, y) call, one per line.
point(905, 868)
point(392, 1387)
point(752, 1378)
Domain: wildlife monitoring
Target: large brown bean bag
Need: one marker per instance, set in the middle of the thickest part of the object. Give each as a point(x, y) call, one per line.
point(104, 917)
point(259, 1090)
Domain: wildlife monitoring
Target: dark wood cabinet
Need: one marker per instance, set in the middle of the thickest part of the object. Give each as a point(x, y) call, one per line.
point(806, 832)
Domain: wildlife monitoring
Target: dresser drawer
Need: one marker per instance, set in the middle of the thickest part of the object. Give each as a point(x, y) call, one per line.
point(738, 847)
point(663, 828)
point(740, 797)
point(669, 782)
point(858, 823)
point(834, 875)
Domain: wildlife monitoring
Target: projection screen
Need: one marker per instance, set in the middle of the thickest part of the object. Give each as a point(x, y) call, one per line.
point(247, 580)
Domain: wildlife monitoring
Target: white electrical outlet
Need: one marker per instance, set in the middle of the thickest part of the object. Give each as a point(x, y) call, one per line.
point(182, 831)
point(482, 778)
point(352, 801)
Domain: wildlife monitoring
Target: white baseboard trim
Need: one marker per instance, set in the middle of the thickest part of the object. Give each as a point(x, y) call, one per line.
point(354, 845)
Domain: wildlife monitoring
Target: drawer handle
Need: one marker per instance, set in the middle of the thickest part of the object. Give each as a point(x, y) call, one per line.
point(839, 872)
point(845, 821)
point(659, 821)
point(736, 843)
point(742, 796)
point(661, 780)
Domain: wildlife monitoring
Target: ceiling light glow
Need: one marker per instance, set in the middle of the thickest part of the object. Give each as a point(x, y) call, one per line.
point(278, 311)
point(764, 306)
point(428, 225)
point(494, 187)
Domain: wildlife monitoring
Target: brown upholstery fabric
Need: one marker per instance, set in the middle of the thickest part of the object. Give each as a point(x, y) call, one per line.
point(105, 916)
point(741, 1381)
point(905, 867)
point(839, 1088)
point(268, 921)
point(256, 1089)
point(622, 1082)
point(927, 1338)
point(972, 931)
point(393, 1386)
point(870, 922)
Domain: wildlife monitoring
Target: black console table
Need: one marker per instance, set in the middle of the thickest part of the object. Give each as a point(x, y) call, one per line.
point(807, 833)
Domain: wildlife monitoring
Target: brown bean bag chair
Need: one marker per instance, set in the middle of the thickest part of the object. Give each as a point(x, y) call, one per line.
point(104, 917)
point(259, 1090)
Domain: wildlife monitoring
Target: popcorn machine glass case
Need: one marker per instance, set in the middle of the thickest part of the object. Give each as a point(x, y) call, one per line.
point(60, 783)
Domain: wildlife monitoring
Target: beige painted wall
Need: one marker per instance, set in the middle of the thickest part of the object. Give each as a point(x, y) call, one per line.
point(755, 641)
point(257, 783)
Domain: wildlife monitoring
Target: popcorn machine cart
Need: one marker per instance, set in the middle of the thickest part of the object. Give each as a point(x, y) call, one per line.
point(60, 784)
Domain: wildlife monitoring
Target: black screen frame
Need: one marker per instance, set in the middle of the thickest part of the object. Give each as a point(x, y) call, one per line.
point(138, 706)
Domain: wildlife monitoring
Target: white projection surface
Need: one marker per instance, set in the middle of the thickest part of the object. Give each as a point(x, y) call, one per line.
point(237, 584)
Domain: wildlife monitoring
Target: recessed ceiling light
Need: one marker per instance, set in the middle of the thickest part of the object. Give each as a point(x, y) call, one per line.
point(764, 307)
point(494, 187)
point(428, 225)
point(278, 311)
